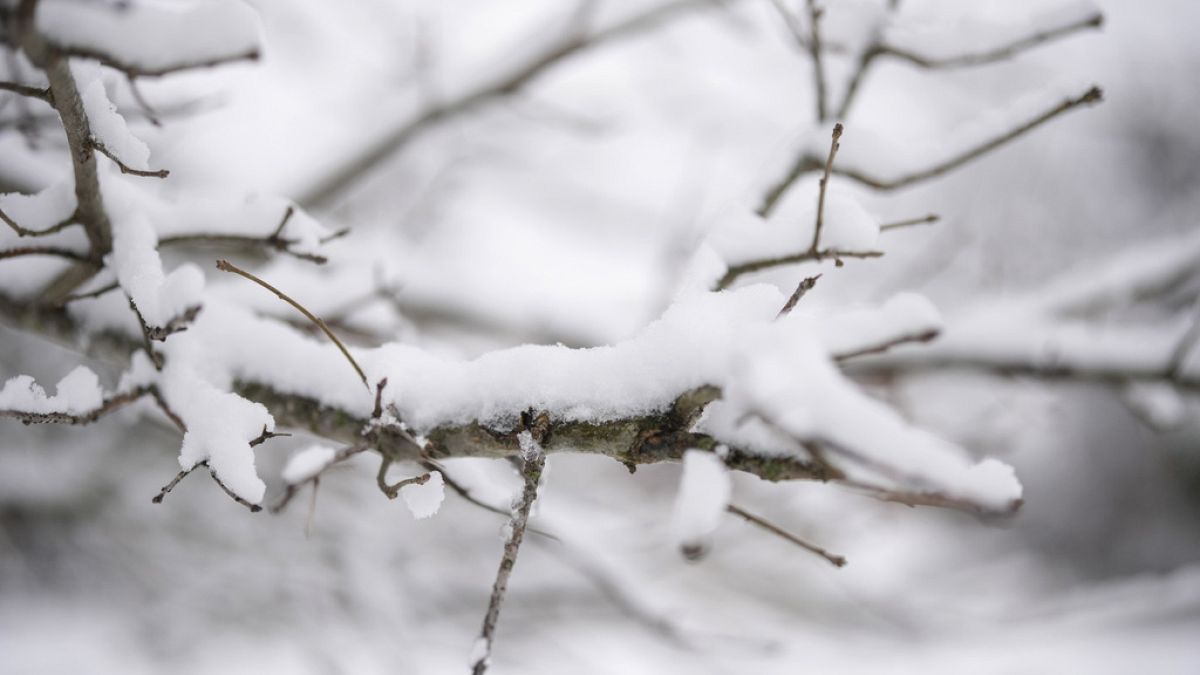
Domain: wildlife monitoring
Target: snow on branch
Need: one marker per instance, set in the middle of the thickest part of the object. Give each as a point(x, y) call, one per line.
point(151, 37)
point(1048, 333)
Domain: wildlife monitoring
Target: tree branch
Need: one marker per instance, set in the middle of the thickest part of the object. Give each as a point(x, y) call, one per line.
point(533, 461)
point(21, 251)
point(328, 188)
point(806, 163)
point(226, 266)
point(995, 54)
point(820, 88)
point(110, 404)
point(833, 148)
point(27, 91)
point(125, 168)
point(731, 275)
point(26, 232)
point(274, 241)
point(768, 526)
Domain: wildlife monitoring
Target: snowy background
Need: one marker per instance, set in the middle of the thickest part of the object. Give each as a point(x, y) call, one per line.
point(565, 214)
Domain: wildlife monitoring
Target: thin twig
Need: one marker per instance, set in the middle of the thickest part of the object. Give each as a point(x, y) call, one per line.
point(90, 294)
point(802, 288)
point(132, 70)
point(226, 266)
point(147, 109)
point(44, 250)
point(995, 54)
point(1089, 97)
point(736, 271)
point(125, 168)
point(338, 457)
point(158, 498)
point(814, 46)
point(925, 220)
point(27, 91)
point(533, 461)
point(254, 508)
point(792, 23)
point(759, 521)
point(806, 163)
point(833, 148)
point(26, 232)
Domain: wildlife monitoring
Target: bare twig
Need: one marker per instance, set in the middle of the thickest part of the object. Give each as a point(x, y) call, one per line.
point(27, 91)
point(158, 498)
point(56, 251)
point(993, 55)
point(293, 488)
point(26, 232)
point(820, 88)
point(793, 24)
point(226, 266)
point(806, 163)
point(90, 294)
point(125, 168)
point(133, 71)
point(147, 109)
point(920, 336)
point(824, 185)
point(275, 241)
point(763, 523)
point(1089, 97)
point(802, 288)
point(925, 220)
point(266, 436)
point(736, 271)
point(392, 491)
point(930, 498)
point(325, 191)
point(254, 508)
point(533, 461)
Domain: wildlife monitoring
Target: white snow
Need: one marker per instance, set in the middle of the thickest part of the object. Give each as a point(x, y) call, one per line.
point(107, 125)
point(480, 652)
point(1161, 404)
point(152, 36)
point(704, 491)
point(77, 393)
point(424, 500)
point(220, 426)
point(785, 378)
point(158, 296)
point(40, 210)
point(307, 463)
point(848, 226)
point(704, 338)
